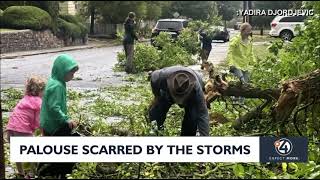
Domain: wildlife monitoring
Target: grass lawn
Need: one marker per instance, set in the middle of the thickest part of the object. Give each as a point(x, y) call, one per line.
point(264, 38)
point(261, 51)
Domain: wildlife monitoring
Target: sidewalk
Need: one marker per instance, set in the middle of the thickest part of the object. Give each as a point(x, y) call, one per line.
point(92, 43)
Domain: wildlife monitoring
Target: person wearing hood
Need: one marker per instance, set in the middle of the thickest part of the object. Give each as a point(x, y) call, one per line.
point(24, 119)
point(54, 119)
point(240, 57)
point(183, 86)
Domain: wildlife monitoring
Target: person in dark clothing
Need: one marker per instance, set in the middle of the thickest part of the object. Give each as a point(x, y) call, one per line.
point(128, 41)
point(205, 47)
point(184, 87)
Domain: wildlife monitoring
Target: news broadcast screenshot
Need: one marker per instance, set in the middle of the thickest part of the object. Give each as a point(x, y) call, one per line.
point(160, 90)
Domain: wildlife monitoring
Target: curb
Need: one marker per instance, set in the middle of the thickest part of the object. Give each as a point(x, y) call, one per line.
point(15, 55)
point(26, 53)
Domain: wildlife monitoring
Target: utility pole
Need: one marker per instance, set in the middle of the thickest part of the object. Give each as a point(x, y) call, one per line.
point(249, 7)
point(245, 7)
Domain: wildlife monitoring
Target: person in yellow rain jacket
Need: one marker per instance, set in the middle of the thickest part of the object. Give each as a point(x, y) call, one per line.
point(240, 54)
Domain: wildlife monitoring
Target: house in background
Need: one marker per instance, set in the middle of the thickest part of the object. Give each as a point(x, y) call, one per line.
point(68, 7)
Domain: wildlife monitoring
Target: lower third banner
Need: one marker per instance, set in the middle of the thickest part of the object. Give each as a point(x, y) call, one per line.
point(157, 149)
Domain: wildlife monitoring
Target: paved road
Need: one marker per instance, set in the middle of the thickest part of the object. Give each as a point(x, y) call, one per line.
point(219, 51)
point(95, 66)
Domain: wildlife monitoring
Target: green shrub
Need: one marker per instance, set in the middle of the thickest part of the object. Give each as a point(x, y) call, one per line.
point(147, 57)
point(67, 29)
point(69, 18)
point(75, 20)
point(197, 25)
point(174, 55)
point(26, 17)
point(83, 29)
point(1, 12)
point(162, 39)
point(188, 39)
point(121, 58)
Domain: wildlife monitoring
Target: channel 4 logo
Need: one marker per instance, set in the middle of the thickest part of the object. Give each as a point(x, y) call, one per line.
point(288, 149)
point(283, 146)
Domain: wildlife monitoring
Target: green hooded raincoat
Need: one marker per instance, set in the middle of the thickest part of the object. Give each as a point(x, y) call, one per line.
point(54, 102)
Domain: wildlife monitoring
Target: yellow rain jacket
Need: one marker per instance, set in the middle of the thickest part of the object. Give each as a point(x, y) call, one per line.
point(240, 54)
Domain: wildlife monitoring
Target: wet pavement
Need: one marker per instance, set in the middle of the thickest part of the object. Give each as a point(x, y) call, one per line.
point(96, 66)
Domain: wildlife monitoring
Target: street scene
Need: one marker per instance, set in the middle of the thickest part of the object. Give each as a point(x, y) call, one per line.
point(162, 69)
point(97, 66)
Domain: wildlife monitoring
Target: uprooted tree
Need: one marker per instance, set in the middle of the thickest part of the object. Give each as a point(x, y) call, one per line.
point(294, 96)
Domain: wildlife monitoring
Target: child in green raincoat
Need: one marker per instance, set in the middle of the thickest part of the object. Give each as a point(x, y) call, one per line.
point(54, 120)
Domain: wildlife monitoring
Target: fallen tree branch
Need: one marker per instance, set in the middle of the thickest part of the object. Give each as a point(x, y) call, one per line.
point(293, 92)
point(296, 114)
point(217, 88)
point(256, 112)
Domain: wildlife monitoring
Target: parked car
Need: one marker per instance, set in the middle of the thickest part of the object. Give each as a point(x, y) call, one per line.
point(172, 26)
point(221, 33)
point(284, 26)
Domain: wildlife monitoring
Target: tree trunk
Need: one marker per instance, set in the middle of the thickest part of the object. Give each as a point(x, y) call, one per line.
point(295, 92)
point(245, 91)
point(249, 7)
point(261, 31)
point(92, 12)
point(244, 6)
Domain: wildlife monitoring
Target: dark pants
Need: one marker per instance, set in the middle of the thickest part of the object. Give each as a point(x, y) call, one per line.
point(205, 55)
point(129, 51)
point(196, 114)
point(57, 169)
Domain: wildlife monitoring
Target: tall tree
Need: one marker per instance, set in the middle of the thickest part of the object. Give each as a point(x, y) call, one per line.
point(88, 9)
point(226, 10)
point(165, 9)
point(114, 12)
point(154, 10)
point(194, 9)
